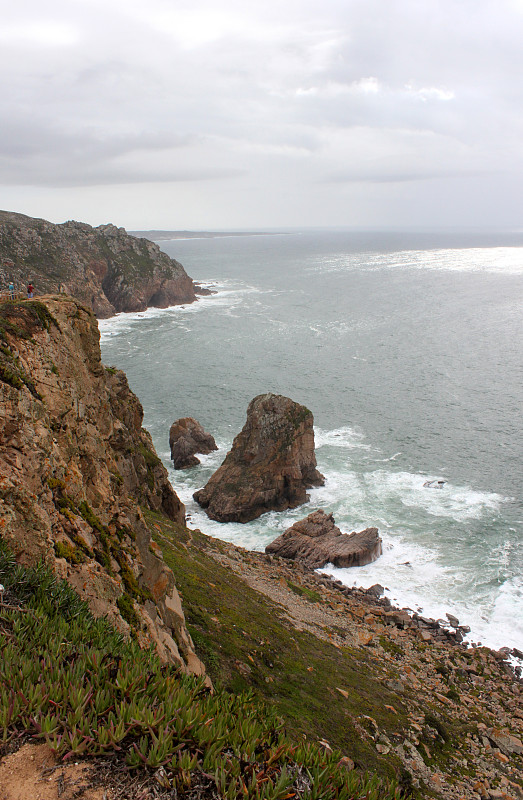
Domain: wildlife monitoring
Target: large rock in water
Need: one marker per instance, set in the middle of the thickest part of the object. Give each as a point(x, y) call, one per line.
point(187, 437)
point(316, 541)
point(270, 465)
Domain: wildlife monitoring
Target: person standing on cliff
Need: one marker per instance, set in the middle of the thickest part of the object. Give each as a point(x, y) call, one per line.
point(30, 290)
point(11, 290)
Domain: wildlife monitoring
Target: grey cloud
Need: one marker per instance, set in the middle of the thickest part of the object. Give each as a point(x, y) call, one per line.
point(277, 96)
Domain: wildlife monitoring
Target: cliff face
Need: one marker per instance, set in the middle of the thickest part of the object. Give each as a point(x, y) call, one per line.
point(75, 464)
point(105, 268)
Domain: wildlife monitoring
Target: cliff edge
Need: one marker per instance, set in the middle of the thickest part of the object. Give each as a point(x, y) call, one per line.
point(75, 467)
point(105, 268)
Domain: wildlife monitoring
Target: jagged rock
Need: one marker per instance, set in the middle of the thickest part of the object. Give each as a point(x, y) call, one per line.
point(316, 541)
point(75, 468)
point(506, 742)
point(376, 590)
point(187, 437)
point(270, 465)
point(105, 268)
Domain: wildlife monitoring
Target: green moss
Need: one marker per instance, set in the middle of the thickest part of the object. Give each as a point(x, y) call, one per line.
point(390, 647)
point(303, 591)
point(55, 483)
point(72, 554)
point(90, 517)
point(438, 725)
point(40, 312)
point(150, 458)
point(126, 609)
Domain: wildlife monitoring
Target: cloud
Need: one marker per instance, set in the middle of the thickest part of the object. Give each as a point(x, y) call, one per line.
point(275, 96)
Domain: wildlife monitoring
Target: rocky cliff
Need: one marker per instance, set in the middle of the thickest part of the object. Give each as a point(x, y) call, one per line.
point(75, 467)
point(105, 268)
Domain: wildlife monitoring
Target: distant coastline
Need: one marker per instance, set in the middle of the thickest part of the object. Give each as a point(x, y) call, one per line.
point(159, 236)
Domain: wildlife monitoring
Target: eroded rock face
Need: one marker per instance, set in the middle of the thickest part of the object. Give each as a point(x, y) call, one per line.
point(270, 466)
point(75, 468)
point(105, 268)
point(316, 541)
point(187, 437)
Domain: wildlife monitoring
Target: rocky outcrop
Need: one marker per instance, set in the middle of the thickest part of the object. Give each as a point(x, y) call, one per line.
point(105, 268)
point(76, 467)
point(270, 465)
point(316, 541)
point(187, 437)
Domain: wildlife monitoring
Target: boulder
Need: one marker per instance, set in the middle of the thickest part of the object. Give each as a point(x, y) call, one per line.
point(270, 465)
point(187, 437)
point(316, 541)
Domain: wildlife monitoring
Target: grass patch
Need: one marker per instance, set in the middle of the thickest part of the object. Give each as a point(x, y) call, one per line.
point(295, 673)
point(303, 591)
point(72, 681)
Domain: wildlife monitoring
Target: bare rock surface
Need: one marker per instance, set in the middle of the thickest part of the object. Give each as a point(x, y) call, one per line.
point(186, 438)
point(76, 467)
point(105, 268)
point(316, 541)
point(270, 466)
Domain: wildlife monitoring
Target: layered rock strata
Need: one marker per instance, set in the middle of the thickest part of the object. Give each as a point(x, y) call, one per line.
point(316, 541)
point(186, 438)
point(270, 466)
point(75, 466)
point(105, 268)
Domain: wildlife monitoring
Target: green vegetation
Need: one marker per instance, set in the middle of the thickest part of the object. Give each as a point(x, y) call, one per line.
point(303, 591)
point(110, 539)
point(246, 642)
point(73, 682)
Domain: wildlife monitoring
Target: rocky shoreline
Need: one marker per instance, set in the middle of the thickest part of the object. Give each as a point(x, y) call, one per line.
point(463, 729)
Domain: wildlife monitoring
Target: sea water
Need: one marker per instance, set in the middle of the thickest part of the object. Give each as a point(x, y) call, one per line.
point(407, 348)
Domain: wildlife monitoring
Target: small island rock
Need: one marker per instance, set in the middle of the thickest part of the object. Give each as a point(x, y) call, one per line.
point(270, 465)
point(187, 437)
point(316, 541)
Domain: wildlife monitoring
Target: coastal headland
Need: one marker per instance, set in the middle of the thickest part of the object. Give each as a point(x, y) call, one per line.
point(364, 687)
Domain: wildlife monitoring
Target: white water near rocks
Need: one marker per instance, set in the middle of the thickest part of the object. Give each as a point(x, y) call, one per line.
point(407, 348)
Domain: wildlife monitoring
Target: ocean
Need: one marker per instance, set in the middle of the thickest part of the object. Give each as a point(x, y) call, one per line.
point(407, 348)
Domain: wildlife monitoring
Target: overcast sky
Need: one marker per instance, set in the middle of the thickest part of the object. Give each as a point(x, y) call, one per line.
point(257, 113)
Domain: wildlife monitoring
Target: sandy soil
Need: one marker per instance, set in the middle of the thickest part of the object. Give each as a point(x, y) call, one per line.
point(33, 774)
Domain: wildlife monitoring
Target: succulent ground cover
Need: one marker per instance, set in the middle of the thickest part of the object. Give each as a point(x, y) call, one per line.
point(71, 681)
point(342, 666)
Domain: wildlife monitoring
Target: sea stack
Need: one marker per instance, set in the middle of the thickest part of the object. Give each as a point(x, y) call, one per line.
point(316, 541)
point(270, 465)
point(187, 437)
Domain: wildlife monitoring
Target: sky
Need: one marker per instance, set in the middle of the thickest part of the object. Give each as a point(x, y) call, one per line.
point(238, 114)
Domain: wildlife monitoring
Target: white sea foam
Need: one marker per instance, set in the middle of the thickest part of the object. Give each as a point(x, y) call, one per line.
point(340, 437)
point(457, 502)
point(227, 294)
point(417, 574)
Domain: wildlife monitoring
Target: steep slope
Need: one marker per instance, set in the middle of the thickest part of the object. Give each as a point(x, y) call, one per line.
point(75, 464)
point(104, 267)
